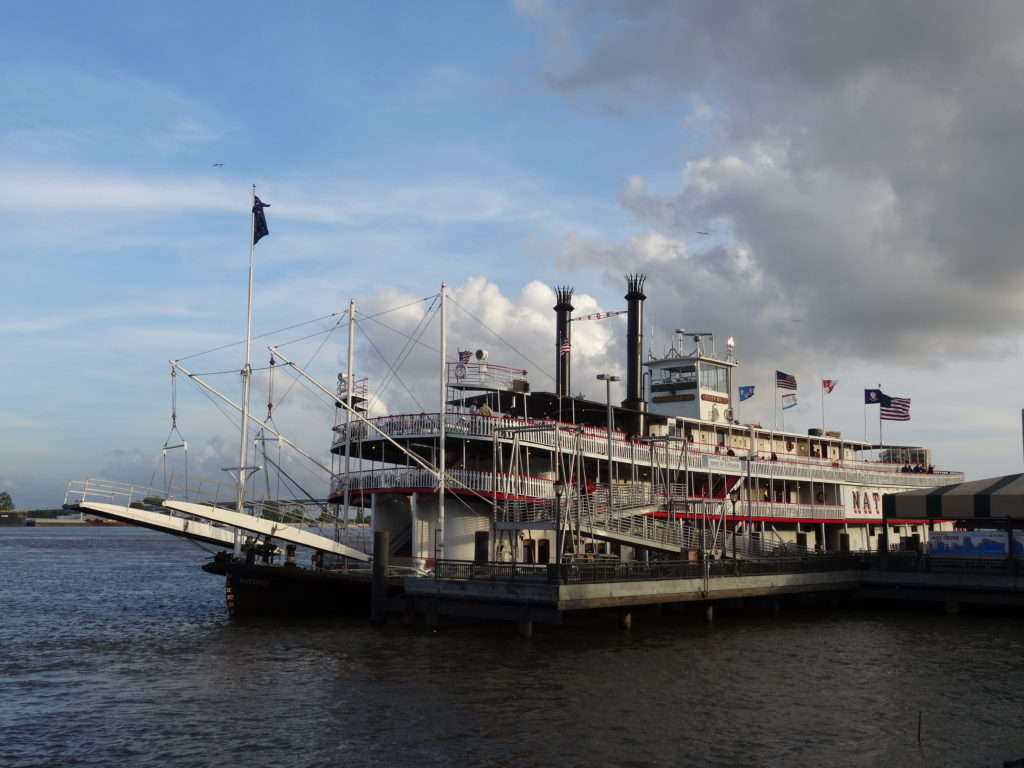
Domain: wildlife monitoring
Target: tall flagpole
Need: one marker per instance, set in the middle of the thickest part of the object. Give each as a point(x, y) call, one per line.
point(246, 378)
point(823, 406)
point(865, 417)
point(776, 403)
point(879, 424)
point(441, 437)
point(350, 381)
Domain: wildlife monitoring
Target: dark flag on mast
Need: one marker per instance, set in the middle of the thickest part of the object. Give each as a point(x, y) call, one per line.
point(259, 220)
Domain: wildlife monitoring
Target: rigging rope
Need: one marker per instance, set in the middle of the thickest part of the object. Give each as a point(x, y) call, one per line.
point(403, 355)
point(174, 430)
point(536, 366)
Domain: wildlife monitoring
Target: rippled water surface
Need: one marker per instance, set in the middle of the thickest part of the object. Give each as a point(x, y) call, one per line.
point(115, 650)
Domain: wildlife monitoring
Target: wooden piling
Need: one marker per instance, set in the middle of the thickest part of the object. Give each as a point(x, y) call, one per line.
point(379, 584)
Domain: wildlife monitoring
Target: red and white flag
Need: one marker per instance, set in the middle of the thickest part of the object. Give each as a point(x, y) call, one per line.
point(828, 385)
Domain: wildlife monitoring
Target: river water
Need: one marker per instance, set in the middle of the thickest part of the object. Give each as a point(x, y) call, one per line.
point(116, 650)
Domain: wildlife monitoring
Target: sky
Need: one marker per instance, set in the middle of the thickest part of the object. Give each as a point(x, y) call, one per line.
point(856, 167)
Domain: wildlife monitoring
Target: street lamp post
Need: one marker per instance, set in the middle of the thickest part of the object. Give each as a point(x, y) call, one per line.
point(555, 568)
point(734, 496)
point(559, 487)
point(607, 378)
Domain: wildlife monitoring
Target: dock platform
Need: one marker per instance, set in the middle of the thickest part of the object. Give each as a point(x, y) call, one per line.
point(547, 593)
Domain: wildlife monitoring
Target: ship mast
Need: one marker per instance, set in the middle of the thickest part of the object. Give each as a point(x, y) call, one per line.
point(257, 210)
point(441, 438)
point(348, 409)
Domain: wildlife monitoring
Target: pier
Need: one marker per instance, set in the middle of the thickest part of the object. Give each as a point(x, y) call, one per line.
point(547, 593)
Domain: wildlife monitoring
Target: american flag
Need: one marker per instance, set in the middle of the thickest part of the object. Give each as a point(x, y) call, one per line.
point(784, 381)
point(464, 357)
point(565, 347)
point(897, 409)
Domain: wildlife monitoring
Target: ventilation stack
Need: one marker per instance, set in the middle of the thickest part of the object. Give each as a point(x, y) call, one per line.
point(634, 345)
point(563, 352)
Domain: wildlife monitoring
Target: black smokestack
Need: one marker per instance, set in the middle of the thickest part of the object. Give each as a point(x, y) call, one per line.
point(563, 308)
point(634, 345)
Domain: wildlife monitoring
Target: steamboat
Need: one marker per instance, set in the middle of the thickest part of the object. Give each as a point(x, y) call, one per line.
point(505, 474)
point(669, 473)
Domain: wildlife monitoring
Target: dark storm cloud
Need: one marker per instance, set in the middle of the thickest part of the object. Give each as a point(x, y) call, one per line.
point(862, 168)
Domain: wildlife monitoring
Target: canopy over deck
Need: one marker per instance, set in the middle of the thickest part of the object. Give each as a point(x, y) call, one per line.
point(991, 498)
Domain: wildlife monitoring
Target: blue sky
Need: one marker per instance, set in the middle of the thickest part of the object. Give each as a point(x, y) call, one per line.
point(857, 168)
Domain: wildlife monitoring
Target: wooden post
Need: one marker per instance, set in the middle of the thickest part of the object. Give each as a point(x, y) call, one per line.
point(379, 584)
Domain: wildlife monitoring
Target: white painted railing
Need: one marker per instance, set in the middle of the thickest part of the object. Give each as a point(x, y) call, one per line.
point(676, 455)
point(416, 479)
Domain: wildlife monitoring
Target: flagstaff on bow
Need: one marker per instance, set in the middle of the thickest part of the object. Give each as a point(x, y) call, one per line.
point(258, 229)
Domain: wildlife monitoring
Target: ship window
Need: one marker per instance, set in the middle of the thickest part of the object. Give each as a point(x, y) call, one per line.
point(714, 378)
point(681, 374)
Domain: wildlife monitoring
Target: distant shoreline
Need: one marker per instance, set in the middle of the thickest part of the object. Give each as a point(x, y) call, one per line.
point(45, 522)
point(25, 519)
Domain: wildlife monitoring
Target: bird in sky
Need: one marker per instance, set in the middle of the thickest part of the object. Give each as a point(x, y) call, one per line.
point(703, 233)
point(218, 165)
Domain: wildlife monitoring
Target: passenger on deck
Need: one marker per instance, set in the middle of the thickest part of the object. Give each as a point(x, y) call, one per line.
point(774, 456)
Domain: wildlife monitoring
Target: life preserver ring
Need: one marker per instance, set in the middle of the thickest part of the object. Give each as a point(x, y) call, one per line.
point(789, 446)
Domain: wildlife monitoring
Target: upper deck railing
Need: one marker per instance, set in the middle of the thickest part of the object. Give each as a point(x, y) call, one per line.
point(483, 375)
point(526, 499)
point(676, 454)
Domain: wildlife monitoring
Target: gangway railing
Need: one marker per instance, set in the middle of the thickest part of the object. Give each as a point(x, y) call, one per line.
point(298, 513)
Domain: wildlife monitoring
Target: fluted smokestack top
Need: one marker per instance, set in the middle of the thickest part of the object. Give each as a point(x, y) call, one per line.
point(563, 345)
point(635, 286)
point(563, 295)
point(634, 344)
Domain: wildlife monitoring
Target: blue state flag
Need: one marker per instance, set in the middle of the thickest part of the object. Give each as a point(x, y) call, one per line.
point(746, 393)
point(873, 396)
point(259, 220)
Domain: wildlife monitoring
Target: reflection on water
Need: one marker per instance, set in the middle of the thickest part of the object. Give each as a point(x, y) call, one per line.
point(117, 651)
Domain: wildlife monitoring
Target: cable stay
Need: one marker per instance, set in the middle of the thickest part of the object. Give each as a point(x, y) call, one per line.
point(226, 400)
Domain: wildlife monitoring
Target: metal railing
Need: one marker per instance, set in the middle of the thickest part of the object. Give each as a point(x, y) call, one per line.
point(473, 375)
point(594, 443)
point(414, 478)
point(177, 489)
point(911, 562)
point(305, 514)
point(605, 572)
